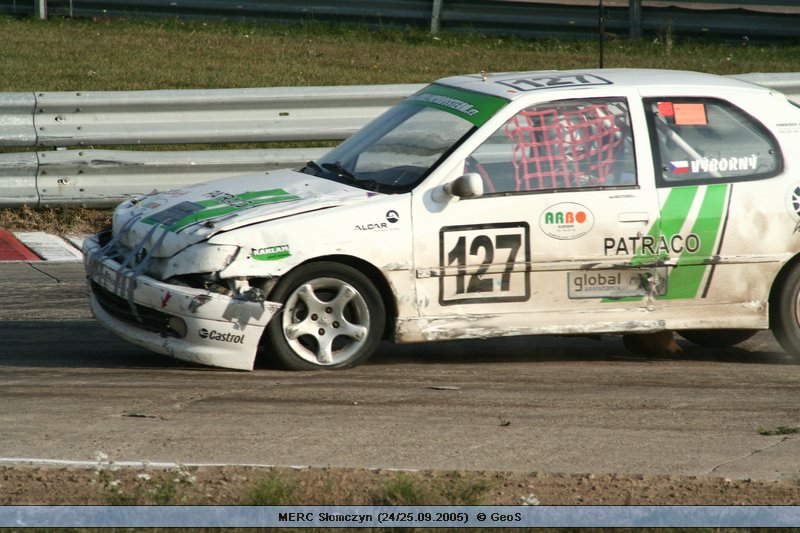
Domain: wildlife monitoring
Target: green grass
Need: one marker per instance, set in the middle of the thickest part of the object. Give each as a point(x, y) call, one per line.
point(452, 489)
point(61, 220)
point(120, 54)
point(272, 489)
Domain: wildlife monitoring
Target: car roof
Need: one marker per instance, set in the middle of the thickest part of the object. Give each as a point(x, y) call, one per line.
point(512, 85)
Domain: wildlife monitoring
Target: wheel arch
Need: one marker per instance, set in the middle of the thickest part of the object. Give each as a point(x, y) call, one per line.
point(375, 276)
point(778, 283)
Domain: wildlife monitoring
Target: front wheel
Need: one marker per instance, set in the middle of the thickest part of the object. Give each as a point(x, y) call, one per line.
point(784, 313)
point(333, 317)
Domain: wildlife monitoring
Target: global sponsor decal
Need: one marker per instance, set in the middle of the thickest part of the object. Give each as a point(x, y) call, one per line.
point(566, 221)
point(218, 336)
point(652, 245)
point(271, 253)
point(616, 283)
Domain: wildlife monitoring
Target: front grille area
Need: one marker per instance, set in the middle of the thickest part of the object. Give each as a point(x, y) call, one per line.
point(120, 308)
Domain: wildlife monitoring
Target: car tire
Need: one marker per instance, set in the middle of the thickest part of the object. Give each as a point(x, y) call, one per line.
point(784, 313)
point(717, 338)
point(333, 317)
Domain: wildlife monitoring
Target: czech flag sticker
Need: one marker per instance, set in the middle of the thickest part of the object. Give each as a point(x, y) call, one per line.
point(679, 167)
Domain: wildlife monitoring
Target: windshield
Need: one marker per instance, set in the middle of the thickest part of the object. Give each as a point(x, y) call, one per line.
point(394, 152)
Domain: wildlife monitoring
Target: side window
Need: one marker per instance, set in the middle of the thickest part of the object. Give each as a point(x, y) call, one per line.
point(697, 139)
point(568, 144)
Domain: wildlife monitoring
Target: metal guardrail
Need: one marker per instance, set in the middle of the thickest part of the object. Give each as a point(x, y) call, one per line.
point(102, 177)
point(73, 123)
point(192, 116)
point(767, 19)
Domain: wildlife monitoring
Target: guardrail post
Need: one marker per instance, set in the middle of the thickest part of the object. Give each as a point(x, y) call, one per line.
point(435, 16)
point(634, 19)
point(40, 9)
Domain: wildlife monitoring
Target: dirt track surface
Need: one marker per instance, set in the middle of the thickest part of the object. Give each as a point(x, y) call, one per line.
point(571, 417)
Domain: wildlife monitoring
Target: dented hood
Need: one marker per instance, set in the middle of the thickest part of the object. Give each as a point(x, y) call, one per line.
point(167, 222)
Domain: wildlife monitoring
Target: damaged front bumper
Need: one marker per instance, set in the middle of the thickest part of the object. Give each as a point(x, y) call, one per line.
point(189, 324)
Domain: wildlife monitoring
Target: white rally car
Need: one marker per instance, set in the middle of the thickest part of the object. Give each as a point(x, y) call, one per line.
point(568, 202)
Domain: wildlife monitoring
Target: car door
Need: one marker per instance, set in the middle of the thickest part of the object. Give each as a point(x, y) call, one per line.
point(555, 240)
point(705, 149)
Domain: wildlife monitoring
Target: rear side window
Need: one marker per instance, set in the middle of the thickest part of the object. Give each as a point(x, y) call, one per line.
point(706, 140)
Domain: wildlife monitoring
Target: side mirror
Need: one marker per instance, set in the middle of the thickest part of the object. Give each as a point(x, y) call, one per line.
point(465, 186)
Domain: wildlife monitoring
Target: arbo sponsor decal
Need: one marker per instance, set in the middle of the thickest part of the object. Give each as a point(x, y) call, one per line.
point(566, 221)
point(215, 335)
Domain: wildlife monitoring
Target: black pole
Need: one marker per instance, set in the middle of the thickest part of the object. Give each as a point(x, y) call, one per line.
point(602, 23)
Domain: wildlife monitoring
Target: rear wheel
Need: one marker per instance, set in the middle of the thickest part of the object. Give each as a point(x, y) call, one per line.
point(784, 313)
point(332, 317)
point(717, 338)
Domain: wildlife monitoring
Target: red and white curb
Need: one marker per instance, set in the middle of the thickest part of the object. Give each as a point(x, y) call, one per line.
point(32, 246)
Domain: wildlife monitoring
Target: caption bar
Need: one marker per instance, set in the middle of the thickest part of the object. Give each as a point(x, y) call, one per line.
point(404, 516)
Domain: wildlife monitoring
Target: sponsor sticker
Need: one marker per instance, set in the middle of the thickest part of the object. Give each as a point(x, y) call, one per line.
point(271, 253)
point(392, 217)
point(174, 214)
point(652, 245)
point(215, 335)
point(715, 164)
point(616, 283)
point(215, 204)
point(566, 221)
point(473, 107)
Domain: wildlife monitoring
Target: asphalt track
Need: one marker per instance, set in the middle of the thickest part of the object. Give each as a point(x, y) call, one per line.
point(69, 389)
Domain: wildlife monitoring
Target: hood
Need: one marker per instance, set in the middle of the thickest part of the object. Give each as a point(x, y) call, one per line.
point(167, 222)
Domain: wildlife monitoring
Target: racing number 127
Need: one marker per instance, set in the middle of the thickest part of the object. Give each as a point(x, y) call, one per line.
point(473, 251)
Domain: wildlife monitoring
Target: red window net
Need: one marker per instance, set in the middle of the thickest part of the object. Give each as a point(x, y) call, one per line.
point(555, 150)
